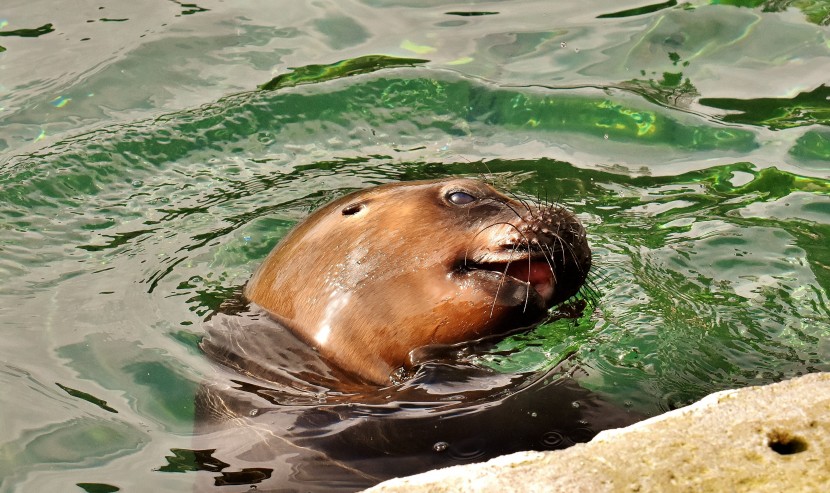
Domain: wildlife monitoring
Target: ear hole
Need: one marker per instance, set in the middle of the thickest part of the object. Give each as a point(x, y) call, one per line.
point(352, 209)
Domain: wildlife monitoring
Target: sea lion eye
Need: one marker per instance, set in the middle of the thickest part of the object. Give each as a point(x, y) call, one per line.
point(460, 198)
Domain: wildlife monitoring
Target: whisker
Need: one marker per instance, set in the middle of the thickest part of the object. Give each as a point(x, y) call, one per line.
point(498, 289)
point(529, 287)
point(500, 223)
point(490, 176)
point(501, 282)
point(548, 256)
point(520, 200)
point(506, 204)
point(590, 293)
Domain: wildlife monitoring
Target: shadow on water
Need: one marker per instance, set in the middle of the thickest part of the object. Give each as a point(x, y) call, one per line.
point(303, 425)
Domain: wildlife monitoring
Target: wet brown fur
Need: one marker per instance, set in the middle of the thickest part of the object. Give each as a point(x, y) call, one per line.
point(378, 273)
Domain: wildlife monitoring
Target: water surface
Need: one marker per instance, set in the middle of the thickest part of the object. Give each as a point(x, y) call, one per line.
point(153, 154)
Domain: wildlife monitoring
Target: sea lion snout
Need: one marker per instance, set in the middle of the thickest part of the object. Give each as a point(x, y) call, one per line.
point(546, 247)
point(557, 234)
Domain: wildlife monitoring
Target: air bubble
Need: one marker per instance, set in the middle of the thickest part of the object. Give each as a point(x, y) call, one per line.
point(552, 439)
point(440, 446)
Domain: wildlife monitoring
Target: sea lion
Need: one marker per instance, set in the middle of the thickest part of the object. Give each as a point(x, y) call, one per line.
point(302, 401)
point(378, 273)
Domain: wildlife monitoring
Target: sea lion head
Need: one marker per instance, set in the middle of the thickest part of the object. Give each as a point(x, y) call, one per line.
point(378, 273)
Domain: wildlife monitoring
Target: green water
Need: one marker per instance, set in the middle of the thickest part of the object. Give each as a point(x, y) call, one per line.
point(153, 154)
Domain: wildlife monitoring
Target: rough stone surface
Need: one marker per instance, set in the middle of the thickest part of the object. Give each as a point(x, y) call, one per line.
point(759, 439)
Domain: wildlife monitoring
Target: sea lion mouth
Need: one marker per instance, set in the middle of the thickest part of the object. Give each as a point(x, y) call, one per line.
point(532, 271)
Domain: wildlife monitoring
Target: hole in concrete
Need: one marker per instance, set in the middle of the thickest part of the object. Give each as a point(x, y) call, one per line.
point(784, 443)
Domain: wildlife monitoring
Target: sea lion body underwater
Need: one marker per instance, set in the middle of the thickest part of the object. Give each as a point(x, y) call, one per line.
point(376, 274)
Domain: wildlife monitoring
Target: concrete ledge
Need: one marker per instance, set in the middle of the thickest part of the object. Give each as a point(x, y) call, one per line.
point(759, 439)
